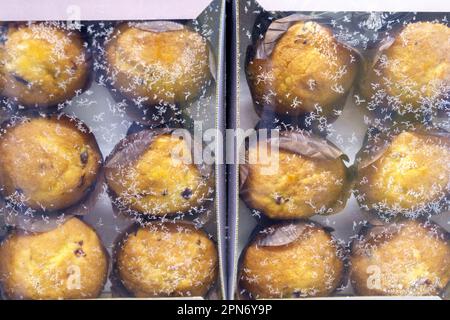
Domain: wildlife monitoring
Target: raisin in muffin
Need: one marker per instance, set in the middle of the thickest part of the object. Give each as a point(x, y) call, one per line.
point(157, 62)
point(166, 259)
point(152, 173)
point(44, 64)
point(409, 176)
point(68, 262)
point(47, 163)
point(298, 178)
point(412, 74)
point(292, 260)
point(408, 258)
point(307, 70)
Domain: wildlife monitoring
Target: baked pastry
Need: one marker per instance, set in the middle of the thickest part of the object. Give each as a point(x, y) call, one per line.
point(166, 259)
point(47, 163)
point(307, 70)
point(44, 64)
point(305, 176)
point(157, 62)
point(152, 172)
point(409, 175)
point(68, 262)
point(292, 260)
point(411, 75)
point(408, 258)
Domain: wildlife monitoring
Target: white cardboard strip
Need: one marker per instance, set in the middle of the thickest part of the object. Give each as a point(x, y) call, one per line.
point(357, 5)
point(31, 10)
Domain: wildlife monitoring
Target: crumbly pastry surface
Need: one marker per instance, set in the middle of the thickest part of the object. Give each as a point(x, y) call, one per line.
point(163, 180)
point(412, 176)
point(309, 266)
point(413, 74)
point(285, 185)
point(167, 259)
point(308, 69)
point(47, 163)
point(403, 259)
point(68, 262)
point(43, 65)
point(158, 66)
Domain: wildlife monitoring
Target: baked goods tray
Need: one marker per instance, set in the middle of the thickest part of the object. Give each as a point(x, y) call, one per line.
point(111, 116)
point(348, 132)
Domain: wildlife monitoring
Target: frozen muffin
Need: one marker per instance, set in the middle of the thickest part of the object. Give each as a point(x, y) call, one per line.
point(44, 65)
point(152, 173)
point(410, 75)
point(47, 163)
point(68, 262)
point(167, 260)
point(292, 260)
point(297, 176)
point(157, 62)
point(408, 258)
point(409, 175)
point(307, 71)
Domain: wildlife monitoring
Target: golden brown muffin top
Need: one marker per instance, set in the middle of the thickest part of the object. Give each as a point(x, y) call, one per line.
point(167, 259)
point(47, 163)
point(160, 66)
point(284, 184)
point(307, 68)
point(43, 64)
point(410, 258)
point(292, 260)
point(68, 262)
point(414, 71)
point(409, 176)
point(160, 180)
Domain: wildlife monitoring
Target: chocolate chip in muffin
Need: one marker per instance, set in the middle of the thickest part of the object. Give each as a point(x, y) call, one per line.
point(79, 252)
point(187, 193)
point(84, 156)
point(280, 200)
